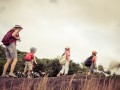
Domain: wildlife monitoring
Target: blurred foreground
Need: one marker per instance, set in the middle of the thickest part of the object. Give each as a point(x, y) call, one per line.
point(68, 82)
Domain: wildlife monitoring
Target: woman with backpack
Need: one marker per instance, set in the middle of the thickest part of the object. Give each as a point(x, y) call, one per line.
point(10, 40)
point(65, 65)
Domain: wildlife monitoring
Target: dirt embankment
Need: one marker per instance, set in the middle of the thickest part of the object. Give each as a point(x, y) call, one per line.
point(69, 82)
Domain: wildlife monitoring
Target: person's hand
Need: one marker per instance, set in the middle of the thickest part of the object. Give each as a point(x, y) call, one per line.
point(18, 38)
point(36, 63)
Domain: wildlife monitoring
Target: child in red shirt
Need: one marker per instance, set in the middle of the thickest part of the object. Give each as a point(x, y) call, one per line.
point(29, 58)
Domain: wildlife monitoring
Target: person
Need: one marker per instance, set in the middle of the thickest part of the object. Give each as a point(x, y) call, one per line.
point(34, 63)
point(29, 59)
point(65, 66)
point(10, 40)
point(91, 62)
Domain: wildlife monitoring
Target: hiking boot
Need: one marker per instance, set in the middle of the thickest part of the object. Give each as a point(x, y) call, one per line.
point(13, 75)
point(4, 76)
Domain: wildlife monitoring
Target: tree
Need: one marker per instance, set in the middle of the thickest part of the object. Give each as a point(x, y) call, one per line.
point(84, 70)
point(2, 58)
point(108, 72)
point(100, 68)
point(50, 66)
point(73, 68)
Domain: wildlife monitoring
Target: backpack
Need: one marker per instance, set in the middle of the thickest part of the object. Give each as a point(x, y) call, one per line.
point(8, 39)
point(29, 56)
point(62, 60)
point(88, 61)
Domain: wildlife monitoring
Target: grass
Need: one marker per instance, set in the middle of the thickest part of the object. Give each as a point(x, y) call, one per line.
point(69, 82)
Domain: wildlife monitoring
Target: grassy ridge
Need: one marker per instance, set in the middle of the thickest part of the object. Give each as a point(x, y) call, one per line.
point(69, 82)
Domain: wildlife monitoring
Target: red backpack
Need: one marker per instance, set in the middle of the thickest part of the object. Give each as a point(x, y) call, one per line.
point(8, 39)
point(29, 56)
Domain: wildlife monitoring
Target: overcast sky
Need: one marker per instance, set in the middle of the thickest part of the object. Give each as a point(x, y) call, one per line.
point(51, 25)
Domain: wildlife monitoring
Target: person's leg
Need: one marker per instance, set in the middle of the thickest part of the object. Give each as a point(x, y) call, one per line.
point(9, 61)
point(25, 69)
point(92, 68)
point(13, 66)
point(66, 67)
point(29, 74)
point(89, 70)
point(13, 53)
point(61, 71)
point(89, 73)
point(25, 72)
point(6, 67)
point(30, 68)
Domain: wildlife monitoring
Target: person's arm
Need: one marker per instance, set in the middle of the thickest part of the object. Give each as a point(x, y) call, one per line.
point(35, 60)
point(15, 34)
point(94, 59)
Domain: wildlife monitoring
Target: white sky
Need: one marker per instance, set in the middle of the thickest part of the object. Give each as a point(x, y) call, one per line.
point(51, 25)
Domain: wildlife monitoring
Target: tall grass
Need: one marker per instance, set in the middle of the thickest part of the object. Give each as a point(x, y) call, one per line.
point(73, 82)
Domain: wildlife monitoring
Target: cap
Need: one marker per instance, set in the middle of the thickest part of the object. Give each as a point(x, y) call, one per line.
point(18, 26)
point(94, 52)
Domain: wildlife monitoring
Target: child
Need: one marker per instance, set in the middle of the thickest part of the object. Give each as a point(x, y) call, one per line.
point(90, 62)
point(29, 58)
point(65, 66)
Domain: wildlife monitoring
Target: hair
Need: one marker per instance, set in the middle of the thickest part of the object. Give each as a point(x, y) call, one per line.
point(33, 49)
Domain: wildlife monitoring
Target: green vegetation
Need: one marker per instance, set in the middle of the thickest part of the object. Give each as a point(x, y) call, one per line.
point(50, 66)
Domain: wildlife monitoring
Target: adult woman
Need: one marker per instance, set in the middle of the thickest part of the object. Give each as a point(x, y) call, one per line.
point(10, 40)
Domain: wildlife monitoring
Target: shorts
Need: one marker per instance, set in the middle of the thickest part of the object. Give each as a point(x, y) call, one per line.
point(92, 67)
point(28, 65)
point(11, 51)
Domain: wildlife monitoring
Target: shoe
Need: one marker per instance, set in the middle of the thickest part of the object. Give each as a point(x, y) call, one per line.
point(89, 73)
point(24, 75)
point(60, 74)
point(4, 76)
point(13, 75)
point(29, 77)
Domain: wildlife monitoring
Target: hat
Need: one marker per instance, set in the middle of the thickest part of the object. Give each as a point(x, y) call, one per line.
point(94, 52)
point(18, 26)
point(67, 47)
